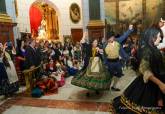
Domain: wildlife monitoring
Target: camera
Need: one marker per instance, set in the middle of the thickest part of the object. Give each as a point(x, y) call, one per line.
point(9, 45)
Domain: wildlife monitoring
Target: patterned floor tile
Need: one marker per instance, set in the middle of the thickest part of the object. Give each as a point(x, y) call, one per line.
point(38, 110)
point(69, 100)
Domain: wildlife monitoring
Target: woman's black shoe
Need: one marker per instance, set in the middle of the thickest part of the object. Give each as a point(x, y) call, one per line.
point(115, 89)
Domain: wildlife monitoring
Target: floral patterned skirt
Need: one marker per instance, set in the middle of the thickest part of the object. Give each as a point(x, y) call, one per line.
point(95, 77)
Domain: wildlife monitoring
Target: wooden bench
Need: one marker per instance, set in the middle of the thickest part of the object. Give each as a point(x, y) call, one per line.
point(30, 77)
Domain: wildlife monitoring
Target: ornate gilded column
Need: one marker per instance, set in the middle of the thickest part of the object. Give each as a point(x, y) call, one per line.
point(6, 24)
point(95, 25)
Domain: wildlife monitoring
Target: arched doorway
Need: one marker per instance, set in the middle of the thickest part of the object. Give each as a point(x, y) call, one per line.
point(44, 21)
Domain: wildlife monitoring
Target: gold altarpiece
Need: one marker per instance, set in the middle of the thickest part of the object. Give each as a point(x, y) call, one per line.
point(51, 18)
point(52, 24)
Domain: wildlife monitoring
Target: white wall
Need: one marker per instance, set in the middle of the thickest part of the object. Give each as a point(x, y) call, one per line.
point(85, 8)
point(102, 10)
point(66, 23)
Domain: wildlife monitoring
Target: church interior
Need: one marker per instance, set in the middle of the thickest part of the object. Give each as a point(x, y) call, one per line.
point(56, 27)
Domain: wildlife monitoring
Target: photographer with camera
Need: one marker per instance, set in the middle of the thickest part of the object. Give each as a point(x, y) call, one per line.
point(10, 49)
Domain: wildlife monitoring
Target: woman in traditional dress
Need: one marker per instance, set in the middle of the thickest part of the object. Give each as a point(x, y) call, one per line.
point(3, 76)
point(95, 76)
point(8, 78)
point(146, 94)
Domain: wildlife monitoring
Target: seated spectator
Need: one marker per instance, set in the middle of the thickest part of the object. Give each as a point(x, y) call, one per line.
point(66, 52)
point(51, 67)
point(77, 65)
point(58, 74)
point(55, 70)
point(48, 85)
point(63, 67)
point(71, 69)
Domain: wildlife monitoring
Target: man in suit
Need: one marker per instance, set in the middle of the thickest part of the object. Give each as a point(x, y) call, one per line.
point(31, 55)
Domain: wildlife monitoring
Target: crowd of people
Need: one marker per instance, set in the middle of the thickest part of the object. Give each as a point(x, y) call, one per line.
point(57, 61)
point(95, 65)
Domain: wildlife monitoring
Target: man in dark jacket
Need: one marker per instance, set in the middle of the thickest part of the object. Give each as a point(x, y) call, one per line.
point(31, 55)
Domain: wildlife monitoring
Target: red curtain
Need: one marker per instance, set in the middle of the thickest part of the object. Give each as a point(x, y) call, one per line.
point(35, 19)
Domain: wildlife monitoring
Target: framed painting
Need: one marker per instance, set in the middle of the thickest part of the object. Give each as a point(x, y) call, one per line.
point(123, 11)
point(110, 11)
point(75, 14)
point(154, 11)
point(130, 11)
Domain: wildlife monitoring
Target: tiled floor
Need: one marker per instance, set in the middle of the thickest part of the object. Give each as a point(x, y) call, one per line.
point(59, 104)
point(38, 110)
point(69, 100)
point(74, 93)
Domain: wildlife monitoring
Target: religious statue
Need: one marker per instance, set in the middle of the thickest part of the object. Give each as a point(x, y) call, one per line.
point(75, 13)
point(42, 29)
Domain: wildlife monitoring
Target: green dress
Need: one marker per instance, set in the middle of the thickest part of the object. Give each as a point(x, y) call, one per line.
point(95, 76)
